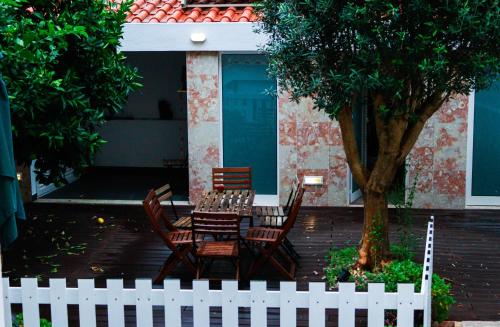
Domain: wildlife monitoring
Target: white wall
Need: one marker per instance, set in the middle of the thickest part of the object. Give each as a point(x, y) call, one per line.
point(137, 137)
point(177, 37)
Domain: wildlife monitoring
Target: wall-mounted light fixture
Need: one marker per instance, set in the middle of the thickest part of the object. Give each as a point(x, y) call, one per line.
point(313, 180)
point(198, 37)
point(19, 176)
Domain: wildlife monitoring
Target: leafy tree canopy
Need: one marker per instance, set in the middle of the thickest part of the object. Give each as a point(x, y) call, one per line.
point(407, 51)
point(64, 73)
point(405, 56)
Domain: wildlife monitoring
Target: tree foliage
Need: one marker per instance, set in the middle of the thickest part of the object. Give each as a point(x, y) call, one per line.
point(64, 73)
point(407, 51)
point(405, 57)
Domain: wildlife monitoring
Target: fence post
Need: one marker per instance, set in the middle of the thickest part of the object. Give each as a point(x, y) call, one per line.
point(29, 295)
point(7, 318)
point(405, 305)
point(2, 309)
point(258, 306)
point(229, 303)
point(427, 273)
point(114, 296)
point(317, 303)
point(144, 305)
point(171, 293)
point(86, 303)
point(58, 305)
point(201, 310)
point(347, 311)
point(288, 306)
point(376, 313)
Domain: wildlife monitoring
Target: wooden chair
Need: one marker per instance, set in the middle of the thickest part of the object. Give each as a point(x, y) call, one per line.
point(224, 227)
point(165, 193)
point(275, 217)
point(178, 241)
point(232, 178)
point(268, 241)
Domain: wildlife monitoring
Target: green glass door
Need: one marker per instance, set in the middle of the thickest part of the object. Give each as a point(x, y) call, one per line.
point(249, 119)
point(486, 143)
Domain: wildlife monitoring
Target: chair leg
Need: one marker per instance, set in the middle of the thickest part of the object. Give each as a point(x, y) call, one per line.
point(259, 262)
point(237, 268)
point(198, 268)
point(167, 267)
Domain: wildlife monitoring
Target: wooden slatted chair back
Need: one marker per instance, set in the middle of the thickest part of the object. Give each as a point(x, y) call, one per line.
point(232, 178)
point(291, 196)
point(165, 193)
point(215, 223)
point(294, 211)
point(157, 216)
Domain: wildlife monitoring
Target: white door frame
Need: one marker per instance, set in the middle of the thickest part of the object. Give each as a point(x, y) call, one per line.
point(260, 200)
point(471, 200)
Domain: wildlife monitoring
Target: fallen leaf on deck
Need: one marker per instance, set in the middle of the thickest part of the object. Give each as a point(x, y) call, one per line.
point(96, 269)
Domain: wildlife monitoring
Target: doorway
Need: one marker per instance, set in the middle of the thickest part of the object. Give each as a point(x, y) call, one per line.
point(249, 120)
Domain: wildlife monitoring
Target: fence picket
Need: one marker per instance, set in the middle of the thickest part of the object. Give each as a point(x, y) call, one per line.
point(288, 307)
point(58, 304)
point(405, 305)
point(31, 311)
point(6, 303)
point(376, 313)
point(172, 303)
point(258, 306)
point(258, 298)
point(317, 303)
point(116, 312)
point(229, 303)
point(86, 303)
point(347, 311)
point(144, 307)
point(201, 310)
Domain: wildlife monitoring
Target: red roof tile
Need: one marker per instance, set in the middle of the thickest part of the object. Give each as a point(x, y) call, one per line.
point(172, 11)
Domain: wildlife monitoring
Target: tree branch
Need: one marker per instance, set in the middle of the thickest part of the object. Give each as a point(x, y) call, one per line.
point(427, 109)
point(351, 147)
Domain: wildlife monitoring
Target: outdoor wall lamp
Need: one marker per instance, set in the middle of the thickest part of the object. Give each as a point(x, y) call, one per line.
point(198, 37)
point(313, 180)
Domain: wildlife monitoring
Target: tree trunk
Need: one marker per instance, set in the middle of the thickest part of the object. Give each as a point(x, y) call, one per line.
point(25, 182)
point(374, 245)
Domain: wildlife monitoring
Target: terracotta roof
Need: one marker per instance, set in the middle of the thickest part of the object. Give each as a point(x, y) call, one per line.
point(172, 11)
point(218, 2)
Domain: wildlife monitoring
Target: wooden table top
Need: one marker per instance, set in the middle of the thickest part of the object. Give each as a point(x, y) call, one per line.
point(227, 201)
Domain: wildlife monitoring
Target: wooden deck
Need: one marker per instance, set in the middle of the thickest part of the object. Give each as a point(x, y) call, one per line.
point(466, 252)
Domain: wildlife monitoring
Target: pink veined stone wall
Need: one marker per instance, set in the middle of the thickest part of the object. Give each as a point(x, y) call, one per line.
point(202, 72)
point(310, 143)
point(439, 158)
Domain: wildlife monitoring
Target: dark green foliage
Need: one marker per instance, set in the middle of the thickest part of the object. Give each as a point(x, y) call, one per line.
point(397, 271)
point(64, 73)
point(406, 51)
point(18, 321)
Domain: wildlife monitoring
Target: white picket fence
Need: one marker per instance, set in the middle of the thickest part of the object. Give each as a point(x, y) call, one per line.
point(258, 298)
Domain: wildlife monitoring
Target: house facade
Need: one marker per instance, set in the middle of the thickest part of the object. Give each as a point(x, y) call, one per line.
point(232, 121)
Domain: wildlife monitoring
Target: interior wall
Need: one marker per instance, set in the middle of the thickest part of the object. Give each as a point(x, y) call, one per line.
point(138, 137)
point(162, 74)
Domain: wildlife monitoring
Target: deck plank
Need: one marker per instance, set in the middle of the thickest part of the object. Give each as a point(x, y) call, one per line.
point(125, 247)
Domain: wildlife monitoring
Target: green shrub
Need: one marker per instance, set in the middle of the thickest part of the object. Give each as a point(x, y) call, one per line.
point(18, 321)
point(397, 271)
point(64, 73)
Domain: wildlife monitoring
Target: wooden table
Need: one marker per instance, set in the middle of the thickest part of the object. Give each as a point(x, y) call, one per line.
point(240, 201)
